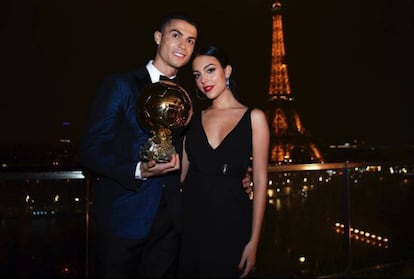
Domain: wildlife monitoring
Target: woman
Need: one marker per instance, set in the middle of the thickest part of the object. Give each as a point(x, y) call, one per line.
point(222, 223)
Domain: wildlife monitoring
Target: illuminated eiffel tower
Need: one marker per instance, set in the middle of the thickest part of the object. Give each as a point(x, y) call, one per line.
point(290, 143)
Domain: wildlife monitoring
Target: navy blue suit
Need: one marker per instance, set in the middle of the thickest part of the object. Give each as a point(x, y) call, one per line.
point(124, 207)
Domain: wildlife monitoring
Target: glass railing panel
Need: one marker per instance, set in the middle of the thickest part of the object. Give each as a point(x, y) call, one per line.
point(337, 220)
point(42, 229)
point(322, 220)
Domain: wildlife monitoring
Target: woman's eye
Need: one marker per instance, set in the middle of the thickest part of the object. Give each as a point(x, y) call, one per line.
point(211, 70)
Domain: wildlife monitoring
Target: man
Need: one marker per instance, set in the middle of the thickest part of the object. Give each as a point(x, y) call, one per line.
point(135, 204)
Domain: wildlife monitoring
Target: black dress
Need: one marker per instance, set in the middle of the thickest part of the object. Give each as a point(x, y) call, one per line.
point(217, 215)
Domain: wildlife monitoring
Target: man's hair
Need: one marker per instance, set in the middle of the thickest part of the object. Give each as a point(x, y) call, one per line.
point(167, 19)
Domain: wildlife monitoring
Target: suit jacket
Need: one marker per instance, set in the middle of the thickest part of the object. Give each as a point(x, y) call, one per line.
point(122, 205)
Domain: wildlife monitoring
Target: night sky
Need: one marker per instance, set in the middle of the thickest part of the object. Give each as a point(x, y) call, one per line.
point(350, 63)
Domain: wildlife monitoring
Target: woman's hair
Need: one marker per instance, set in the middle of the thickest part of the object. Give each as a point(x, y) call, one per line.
point(223, 58)
point(215, 51)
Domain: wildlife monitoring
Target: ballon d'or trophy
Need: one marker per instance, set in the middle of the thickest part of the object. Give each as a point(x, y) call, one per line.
point(163, 109)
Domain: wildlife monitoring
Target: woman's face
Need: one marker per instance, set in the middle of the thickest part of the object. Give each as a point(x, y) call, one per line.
point(209, 75)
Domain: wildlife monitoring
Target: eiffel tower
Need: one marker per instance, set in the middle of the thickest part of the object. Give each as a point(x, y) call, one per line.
point(290, 142)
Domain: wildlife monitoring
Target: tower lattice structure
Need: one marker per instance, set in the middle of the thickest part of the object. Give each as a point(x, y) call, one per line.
point(290, 142)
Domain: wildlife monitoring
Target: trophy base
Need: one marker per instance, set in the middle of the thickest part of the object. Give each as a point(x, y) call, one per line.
point(160, 152)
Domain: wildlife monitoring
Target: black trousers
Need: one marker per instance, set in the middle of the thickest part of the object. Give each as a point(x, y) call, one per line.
point(155, 256)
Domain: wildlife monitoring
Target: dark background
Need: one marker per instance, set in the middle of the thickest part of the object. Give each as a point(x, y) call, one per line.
point(350, 62)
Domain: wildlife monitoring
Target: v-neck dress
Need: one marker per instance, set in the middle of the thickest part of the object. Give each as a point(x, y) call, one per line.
point(217, 212)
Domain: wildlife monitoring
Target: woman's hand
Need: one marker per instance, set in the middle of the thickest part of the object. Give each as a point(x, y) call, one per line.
point(248, 260)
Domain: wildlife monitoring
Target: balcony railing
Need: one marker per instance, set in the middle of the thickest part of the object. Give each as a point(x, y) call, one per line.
point(322, 220)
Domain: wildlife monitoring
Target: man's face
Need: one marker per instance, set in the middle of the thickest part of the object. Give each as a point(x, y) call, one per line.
point(175, 45)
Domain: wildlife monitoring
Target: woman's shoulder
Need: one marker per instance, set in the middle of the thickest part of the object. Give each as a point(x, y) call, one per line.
point(257, 112)
point(257, 115)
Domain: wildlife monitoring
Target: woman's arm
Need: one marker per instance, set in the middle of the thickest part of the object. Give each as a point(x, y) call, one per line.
point(260, 179)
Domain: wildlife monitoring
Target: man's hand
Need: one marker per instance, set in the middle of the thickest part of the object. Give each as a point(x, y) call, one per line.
point(152, 168)
point(247, 181)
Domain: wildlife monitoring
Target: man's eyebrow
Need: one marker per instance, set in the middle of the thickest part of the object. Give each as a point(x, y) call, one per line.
point(181, 33)
point(175, 30)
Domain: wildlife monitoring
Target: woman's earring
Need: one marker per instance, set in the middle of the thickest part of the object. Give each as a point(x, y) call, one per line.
point(200, 95)
point(228, 83)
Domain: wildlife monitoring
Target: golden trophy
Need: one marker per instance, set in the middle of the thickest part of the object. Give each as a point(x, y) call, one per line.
point(163, 109)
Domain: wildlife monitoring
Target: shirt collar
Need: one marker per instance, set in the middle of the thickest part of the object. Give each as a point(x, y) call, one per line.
point(154, 72)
